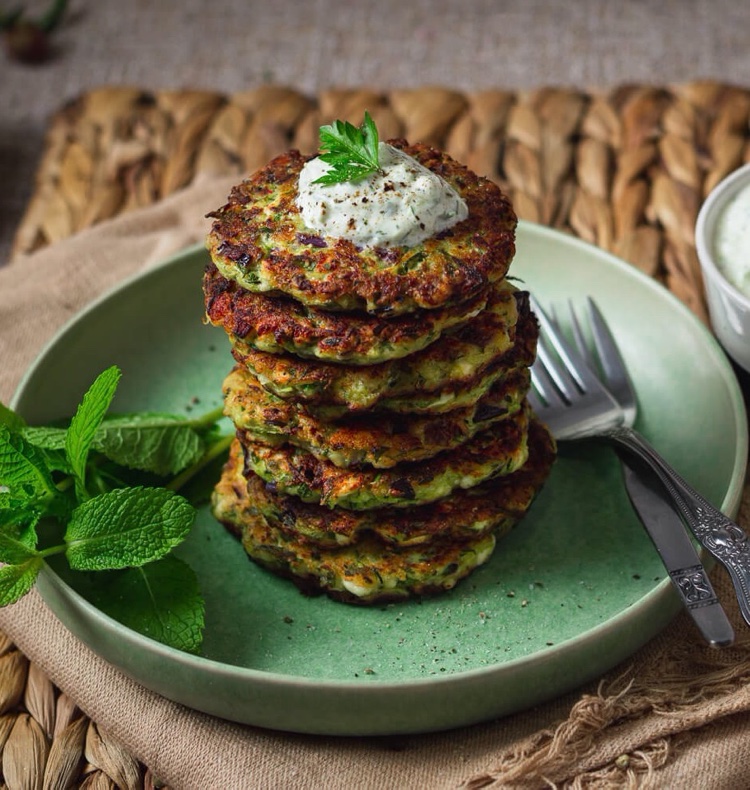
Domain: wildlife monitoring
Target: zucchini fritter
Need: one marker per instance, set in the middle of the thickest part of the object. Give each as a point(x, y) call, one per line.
point(495, 505)
point(498, 450)
point(259, 240)
point(280, 324)
point(379, 440)
point(366, 572)
point(451, 373)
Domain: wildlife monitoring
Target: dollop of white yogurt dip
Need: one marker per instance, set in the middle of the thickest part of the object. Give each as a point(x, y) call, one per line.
point(401, 205)
point(732, 241)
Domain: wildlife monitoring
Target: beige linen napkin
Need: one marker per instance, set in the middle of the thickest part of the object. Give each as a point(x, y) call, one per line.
point(676, 715)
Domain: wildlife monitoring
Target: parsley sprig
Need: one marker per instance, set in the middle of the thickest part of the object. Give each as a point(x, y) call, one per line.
point(351, 151)
point(102, 492)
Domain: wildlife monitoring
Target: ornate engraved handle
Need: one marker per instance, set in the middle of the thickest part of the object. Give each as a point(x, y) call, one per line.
point(719, 535)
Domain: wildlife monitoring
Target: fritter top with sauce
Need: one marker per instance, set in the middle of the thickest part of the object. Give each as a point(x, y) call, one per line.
point(259, 240)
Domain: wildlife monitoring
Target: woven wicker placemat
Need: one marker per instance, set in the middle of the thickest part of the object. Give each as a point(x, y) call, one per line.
point(625, 169)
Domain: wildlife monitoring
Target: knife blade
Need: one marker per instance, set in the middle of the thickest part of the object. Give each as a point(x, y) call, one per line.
point(671, 539)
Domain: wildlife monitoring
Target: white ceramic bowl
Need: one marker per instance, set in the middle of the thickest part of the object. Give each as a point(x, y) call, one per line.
point(728, 307)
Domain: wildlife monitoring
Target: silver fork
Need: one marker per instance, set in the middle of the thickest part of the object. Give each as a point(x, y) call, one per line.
point(648, 497)
point(573, 402)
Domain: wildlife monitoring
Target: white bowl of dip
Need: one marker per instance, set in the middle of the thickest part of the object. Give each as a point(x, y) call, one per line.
point(722, 241)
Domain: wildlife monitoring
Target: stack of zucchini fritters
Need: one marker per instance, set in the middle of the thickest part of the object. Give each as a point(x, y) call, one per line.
point(383, 438)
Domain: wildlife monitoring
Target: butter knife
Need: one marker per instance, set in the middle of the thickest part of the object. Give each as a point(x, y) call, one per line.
point(671, 539)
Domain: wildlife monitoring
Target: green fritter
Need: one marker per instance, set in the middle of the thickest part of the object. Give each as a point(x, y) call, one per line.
point(499, 450)
point(279, 324)
point(366, 572)
point(259, 240)
point(451, 373)
point(496, 505)
point(379, 440)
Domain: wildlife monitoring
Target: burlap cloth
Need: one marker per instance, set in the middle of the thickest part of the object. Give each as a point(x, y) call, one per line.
point(676, 715)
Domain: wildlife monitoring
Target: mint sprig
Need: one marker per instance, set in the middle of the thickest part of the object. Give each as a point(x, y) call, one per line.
point(161, 600)
point(102, 490)
point(351, 151)
point(85, 423)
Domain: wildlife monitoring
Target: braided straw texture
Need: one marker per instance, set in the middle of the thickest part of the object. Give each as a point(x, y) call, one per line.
point(46, 742)
point(625, 170)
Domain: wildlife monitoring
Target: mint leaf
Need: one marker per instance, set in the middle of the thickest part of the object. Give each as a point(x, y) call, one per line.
point(12, 421)
point(127, 526)
point(45, 438)
point(9, 504)
point(352, 152)
point(23, 473)
point(51, 443)
point(164, 444)
point(160, 600)
point(85, 423)
point(17, 580)
point(17, 549)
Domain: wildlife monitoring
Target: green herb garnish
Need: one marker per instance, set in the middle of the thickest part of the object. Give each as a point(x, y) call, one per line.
point(352, 152)
point(102, 492)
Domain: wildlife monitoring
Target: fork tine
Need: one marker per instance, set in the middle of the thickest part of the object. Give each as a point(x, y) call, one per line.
point(553, 377)
point(614, 370)
point(584, 349)
point(604, 358)
point(545, 383)
point(573, 363)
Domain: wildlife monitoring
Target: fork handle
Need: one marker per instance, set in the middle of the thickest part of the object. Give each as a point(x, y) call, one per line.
point(717, 533)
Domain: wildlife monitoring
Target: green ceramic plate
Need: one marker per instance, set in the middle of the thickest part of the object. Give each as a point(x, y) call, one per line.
point(575, 589)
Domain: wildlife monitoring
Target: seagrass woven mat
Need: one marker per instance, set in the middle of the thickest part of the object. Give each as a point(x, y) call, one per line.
point(625, 169)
